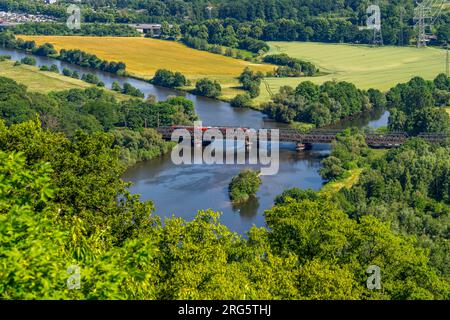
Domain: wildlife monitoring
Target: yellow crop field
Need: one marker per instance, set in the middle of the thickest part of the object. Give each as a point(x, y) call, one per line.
point(143, 56)
point(365, 66)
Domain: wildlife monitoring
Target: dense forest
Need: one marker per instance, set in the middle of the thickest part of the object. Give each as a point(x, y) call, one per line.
point(95, 110)
point(59, 208)
point(320, 105)
point(89, 29)
point(306, 20)
point(396, 188)
point(416, 107)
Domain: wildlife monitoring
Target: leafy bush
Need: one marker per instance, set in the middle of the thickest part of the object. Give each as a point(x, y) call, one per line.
point(208, 88)
point(241, 101)
point(244, 186)
point(251, 81)
point(29, 61)
point(128, 89)
point(291, 67)
point(45, 50)
point(169, 79)
point(67, 72)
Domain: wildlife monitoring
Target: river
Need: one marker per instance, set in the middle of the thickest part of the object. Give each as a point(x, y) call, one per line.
point(183, 190)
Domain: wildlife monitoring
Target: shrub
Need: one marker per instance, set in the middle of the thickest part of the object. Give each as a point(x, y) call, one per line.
point(241, 101)
point(208, 88)
point(244, 186)
point(169, 79)
point(29, 61)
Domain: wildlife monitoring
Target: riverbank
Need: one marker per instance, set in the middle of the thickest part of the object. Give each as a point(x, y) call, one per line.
point(39, 81)
point(47, 81)
point(351, 177)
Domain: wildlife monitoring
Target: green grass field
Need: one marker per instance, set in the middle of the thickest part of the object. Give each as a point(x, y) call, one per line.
point(366, 67)
point(44, 81)
point(348, 182)
point(37, 80)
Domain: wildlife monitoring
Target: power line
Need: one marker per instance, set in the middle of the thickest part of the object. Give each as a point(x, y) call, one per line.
point(447, 67)
point(377, 37)
point(402, 34)
point(425, 14)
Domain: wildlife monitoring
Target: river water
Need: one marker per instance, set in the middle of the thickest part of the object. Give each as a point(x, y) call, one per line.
point(183, 190)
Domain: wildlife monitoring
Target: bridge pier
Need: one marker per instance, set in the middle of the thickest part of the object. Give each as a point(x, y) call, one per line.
point(303, 146)
point(200, 143)
point(197, 142)
point(248, 143)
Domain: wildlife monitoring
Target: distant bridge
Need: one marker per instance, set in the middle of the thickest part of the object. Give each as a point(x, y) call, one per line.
point(305, 140)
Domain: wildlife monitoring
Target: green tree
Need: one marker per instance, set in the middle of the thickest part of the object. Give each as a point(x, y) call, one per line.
point(67, 72)
point(167, 78)
point(165, 30)
point(244, 186)
point(442, 82)
point(54, 68)
point(332, 168)
point(116, 86)
point(241, 101)
point(45, 50)
point(29, 61)
point(208, 88)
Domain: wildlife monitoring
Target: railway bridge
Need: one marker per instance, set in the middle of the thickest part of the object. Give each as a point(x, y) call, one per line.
point(306, 140)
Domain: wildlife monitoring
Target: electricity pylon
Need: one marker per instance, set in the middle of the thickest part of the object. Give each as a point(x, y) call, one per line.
point(425, 14)
point(377, 33)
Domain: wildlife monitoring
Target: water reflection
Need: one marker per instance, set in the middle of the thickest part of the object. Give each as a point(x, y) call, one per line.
point(247, 210)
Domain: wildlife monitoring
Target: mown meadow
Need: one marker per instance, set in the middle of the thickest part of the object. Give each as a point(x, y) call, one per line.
point(366, 67)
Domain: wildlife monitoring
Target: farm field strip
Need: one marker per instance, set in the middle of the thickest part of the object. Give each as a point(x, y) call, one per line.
point(143, 56)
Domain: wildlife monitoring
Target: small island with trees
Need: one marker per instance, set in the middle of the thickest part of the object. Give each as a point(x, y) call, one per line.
point(244, 186)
